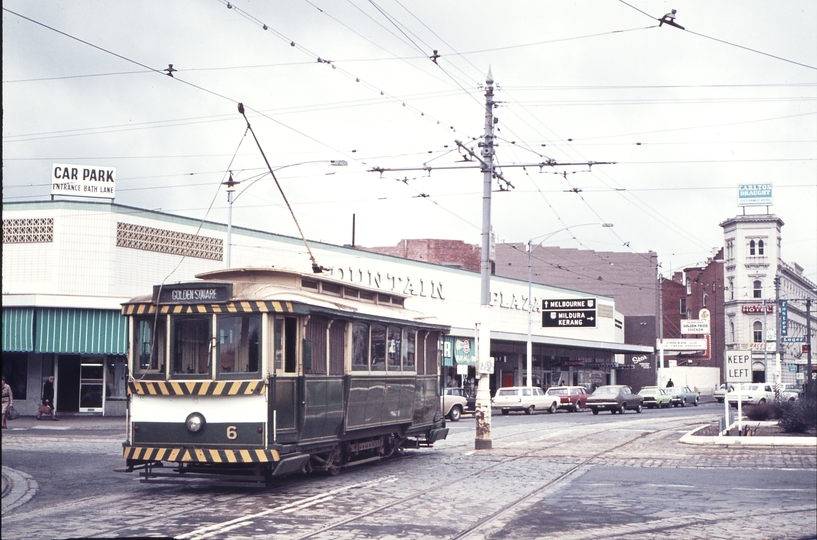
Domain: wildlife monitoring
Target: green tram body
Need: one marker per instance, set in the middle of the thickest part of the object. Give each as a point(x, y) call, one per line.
point(254, 373)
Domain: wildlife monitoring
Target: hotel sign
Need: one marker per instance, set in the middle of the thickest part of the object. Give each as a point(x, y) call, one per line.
point(754, 195)
point(83, 181)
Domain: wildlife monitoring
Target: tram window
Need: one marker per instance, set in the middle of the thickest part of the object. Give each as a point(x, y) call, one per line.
point(239, 346)
point(316, 330)
point(337, 335)
point(290, 344)
point(360, 346)
point(432, 352)
point(191, 345)
point(408, 350)
point(149, 344)
point(421, 349)
point(378, 347)
point(395, 341)
point(278, 336)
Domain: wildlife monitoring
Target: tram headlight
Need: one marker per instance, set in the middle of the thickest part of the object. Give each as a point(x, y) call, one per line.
point(195, 422)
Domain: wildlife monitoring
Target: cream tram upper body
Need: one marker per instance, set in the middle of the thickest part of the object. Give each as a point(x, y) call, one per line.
point(265, 358)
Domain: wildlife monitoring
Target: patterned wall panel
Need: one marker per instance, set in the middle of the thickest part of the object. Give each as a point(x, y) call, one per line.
point(28, 231)
point(133, 236)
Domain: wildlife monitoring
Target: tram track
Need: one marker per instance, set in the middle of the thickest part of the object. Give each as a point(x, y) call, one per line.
point(554, 484)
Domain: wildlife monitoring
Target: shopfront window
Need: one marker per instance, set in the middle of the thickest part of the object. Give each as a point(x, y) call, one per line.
point(239, 344)
point(15, 370)
point(149, 344)
point(191, 345)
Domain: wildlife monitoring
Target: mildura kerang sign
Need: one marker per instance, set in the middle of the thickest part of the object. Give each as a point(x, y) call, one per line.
point(83, 181)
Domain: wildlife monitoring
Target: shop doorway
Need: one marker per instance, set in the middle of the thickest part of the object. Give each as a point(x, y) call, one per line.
point(67, 376)
point(507, 379)
point(91, 382)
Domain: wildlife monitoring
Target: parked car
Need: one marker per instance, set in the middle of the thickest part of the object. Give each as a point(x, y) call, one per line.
point(751, 394)
point(571, 398)
point(453, 404)
point(522, 398)
point(720, 392)
point(614, 398)
point(470, 401)
point(790, 393)
point(655, 397)
point(683, 396)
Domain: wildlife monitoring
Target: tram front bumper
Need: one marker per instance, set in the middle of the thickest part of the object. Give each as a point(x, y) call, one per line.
point(187, 454)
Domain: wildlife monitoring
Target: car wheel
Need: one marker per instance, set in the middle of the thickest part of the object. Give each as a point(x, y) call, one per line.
point(621, 409)
point(696, 402)
point(455, 413)
point(684, 402)
point(505, 412)
point(529, 410)
point(595, 411)
point(762, 401)
point(720, 400)
point(552, 408)
point(791, 400)
point(638, 409)
point(578, 406)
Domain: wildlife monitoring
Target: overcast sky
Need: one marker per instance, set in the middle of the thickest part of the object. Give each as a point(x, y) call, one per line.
point(687, 115)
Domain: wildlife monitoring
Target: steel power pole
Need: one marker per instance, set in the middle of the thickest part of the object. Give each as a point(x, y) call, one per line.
point(808, 380)
point(482, 414)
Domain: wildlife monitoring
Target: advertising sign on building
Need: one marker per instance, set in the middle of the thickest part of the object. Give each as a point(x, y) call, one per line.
point(784, 318)
point(571, 312)
point(738, 366)
point(695, 326)
point(755, 195)
point(83, 181)
point(682, 344)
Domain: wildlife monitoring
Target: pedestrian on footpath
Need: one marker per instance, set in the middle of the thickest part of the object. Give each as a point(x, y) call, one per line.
point(48, 400)
point(8, 401)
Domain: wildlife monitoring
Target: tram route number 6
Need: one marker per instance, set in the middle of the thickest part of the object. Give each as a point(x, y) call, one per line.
point(231, 433)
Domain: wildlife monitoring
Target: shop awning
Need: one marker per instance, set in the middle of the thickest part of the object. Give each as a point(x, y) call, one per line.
point(81, 331)
point(18, 329)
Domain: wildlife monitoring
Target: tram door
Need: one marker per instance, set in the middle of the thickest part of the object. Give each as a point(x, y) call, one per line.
point(285, 391)
point(91, 383)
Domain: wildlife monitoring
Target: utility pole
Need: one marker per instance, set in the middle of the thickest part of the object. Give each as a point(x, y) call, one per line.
point(482, 414)
point(778, 370)
point(809, 383)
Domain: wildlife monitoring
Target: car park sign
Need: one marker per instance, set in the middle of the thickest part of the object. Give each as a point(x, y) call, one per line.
point(738, 366)
point(569, 312)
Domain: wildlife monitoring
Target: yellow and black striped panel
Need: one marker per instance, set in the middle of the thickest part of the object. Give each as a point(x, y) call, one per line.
point(196, 388)
point(201, 455)
point(246, 306)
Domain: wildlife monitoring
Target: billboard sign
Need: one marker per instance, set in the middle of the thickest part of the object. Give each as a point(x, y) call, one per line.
point(695, 326)
point(681, 344)
point(83, 181)
point(755, 195)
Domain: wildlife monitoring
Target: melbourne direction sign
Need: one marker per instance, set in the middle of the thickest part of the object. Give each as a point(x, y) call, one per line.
point(570, 312)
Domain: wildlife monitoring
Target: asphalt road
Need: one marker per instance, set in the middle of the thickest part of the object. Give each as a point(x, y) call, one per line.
point(563, 475)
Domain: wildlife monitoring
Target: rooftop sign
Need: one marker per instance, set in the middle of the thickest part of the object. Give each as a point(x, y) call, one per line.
point(83, 181)
point(755, 195)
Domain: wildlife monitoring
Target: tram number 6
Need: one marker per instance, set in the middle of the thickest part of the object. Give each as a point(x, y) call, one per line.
point(231, 433)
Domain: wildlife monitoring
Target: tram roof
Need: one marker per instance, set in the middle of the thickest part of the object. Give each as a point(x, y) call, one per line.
point(284, 291)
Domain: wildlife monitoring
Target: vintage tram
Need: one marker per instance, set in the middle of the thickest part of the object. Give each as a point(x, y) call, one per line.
point(248, 374)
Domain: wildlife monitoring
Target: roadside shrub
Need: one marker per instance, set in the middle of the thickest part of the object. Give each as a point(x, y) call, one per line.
point(761, 411)
point(800, 416)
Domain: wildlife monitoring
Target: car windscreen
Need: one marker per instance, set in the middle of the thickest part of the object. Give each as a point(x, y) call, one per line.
point(606, 390)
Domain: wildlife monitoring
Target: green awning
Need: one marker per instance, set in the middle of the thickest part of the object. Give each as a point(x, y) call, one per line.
point(81, 331)
point(18, 329)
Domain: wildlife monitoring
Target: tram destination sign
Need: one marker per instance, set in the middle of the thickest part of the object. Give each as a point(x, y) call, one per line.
point(193, 293)
point(569, 312)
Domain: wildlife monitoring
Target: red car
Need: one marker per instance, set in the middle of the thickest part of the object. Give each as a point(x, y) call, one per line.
point(572, 398)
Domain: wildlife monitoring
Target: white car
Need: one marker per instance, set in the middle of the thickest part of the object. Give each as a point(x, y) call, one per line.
point(522, 398)
point(751, 394)
point(790, 393)
point(453, 404)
